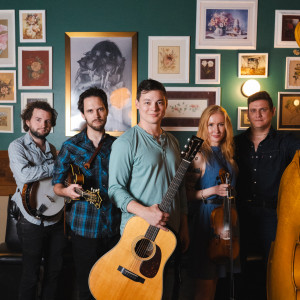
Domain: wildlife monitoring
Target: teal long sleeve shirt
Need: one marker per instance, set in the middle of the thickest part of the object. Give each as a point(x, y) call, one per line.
point(141, 169)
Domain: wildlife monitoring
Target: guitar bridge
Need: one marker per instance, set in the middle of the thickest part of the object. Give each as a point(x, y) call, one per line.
point(131, 275)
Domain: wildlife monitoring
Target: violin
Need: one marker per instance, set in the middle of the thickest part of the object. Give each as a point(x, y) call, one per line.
point(224, 244)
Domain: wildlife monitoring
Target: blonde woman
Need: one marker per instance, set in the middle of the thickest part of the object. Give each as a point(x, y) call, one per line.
point(205, 193)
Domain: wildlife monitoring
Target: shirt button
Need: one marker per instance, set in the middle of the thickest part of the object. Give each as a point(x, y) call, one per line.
point(270, 156)
point(256, 156)
point(254, 170)
point(252, 156)
point(254, 182)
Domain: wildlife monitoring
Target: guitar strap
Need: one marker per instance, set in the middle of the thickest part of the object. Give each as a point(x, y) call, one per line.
point(88, 164)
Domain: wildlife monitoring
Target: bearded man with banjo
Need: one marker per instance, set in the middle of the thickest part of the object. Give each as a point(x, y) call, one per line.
point(40, 226)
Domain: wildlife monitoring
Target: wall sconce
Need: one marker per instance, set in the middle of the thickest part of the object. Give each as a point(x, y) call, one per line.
point(250, 87)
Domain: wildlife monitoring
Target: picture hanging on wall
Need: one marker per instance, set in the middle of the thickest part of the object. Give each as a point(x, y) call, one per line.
point(243, 122)
point(107, 60)
point(253, 65)
point(185, 106)
point(226, 24)
point(7, 39)
point(292, 73)
point(288, 111)
point(169, 58)
point(208, 68)
point(285, 24)
point(8, 86)
point(6, 119)
point(32, 26)
point(27, 98)
point(35, 68)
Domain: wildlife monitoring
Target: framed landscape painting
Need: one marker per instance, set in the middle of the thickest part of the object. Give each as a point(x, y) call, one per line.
point(285, 24)
point(253, 65)
point(186, 105)
point(226, 24)
point(35, 68)
point(8, 86)
point(32, 26)
point(7, 39)
point(107, 60)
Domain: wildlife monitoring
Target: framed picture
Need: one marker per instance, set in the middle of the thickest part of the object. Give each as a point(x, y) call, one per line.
point(32, 97)
point(32, 26)
point(253, 65)
point(186, 105)
point(169, 58)
point(107, 60)
point(8, 86)
point(35, 68)
point(7, 39)
point(226, 24)
point(208, 68)
point(6, 119)
point(292, 73)
point(243, 122)
point(285, 24)
point(288, 111)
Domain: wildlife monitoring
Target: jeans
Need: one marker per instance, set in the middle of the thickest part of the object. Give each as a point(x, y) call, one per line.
point(86, 251)
point(40, 242)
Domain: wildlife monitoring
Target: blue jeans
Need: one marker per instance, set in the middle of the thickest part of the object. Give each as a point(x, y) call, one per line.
point(40, 242)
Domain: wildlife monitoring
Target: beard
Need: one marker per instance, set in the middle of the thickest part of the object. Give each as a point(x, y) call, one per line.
point(98, 127)
point(38, 135)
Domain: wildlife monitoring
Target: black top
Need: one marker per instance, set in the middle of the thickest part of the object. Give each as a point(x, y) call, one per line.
point(260, 172)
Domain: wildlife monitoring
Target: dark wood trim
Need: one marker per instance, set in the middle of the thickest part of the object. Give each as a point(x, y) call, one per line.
point(7, 181)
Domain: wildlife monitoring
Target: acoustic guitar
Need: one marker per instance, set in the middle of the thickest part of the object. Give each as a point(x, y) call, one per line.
point(133, 269)
point(40, 201)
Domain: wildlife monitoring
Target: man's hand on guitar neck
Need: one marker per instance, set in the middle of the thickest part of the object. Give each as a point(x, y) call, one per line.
point(69, 191)
point(153, 215)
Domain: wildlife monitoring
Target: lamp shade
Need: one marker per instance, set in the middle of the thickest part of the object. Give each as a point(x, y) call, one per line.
point(250, 87)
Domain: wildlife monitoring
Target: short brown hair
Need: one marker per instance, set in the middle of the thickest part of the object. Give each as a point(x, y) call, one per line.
point(263, 95)
point(28, 111)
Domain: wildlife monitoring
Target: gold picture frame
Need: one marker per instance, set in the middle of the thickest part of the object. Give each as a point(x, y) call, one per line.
point(107, 60)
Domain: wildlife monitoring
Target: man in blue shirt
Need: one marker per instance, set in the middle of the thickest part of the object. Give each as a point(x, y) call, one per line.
point(93, 231)
point(31, 160)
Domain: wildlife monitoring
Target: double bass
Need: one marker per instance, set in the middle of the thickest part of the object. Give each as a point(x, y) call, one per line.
point(224, 245)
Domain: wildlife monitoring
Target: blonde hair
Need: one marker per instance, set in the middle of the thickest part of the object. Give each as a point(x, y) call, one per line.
point(227, 144)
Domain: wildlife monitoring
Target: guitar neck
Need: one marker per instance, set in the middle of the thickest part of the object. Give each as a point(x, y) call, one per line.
point(168, 198)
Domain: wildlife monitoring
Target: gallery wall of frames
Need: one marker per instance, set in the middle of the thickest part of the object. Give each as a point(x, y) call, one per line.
point(201, 50)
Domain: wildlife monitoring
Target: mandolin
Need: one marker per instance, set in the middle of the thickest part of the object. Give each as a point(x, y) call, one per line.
point(133, 269)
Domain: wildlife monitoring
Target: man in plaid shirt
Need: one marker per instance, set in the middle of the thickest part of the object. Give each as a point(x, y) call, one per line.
point(93, 231)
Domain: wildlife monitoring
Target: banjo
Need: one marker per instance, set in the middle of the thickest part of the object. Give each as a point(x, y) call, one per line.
point(40, 201)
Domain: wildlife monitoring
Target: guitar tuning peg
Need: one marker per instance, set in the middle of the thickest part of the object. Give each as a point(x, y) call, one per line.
point(188, 139)
point(185, 146)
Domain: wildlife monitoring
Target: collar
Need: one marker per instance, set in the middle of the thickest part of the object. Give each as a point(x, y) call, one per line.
point(28, 140)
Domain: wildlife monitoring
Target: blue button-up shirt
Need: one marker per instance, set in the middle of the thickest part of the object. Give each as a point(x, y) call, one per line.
point(28, 164)
point(84, 218)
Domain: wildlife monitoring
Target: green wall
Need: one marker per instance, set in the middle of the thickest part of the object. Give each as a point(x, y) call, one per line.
point(148, 18)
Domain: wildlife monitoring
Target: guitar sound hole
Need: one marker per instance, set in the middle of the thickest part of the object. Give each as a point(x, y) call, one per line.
point(144, 248)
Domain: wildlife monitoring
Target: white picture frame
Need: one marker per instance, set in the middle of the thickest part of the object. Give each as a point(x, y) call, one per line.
point(253, 65)
point(32, 25)
point(285, 23)
point(8, 86)
point(207, 69)
point(169, 58)
point(229, 24)
point(35, 68)
point(292, 73)
point(7, 30)
point(31, 97)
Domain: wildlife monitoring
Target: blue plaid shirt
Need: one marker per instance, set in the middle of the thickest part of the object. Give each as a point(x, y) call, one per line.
point(84, 218)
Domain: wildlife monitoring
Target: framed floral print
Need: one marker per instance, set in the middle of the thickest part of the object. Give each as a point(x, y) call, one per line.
point(107, 60)
point(32, 97)
point(285, 24)
point(243, 121)
point(6, 119)
point(32, 26)
point(253, 65)
point(7, 39)
point(186, 105)
point(8, 86)
point(292, 73)
point(35, 68)
point(208, 68)
point(226, 24)
point(169, 58)
point(288, 116)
